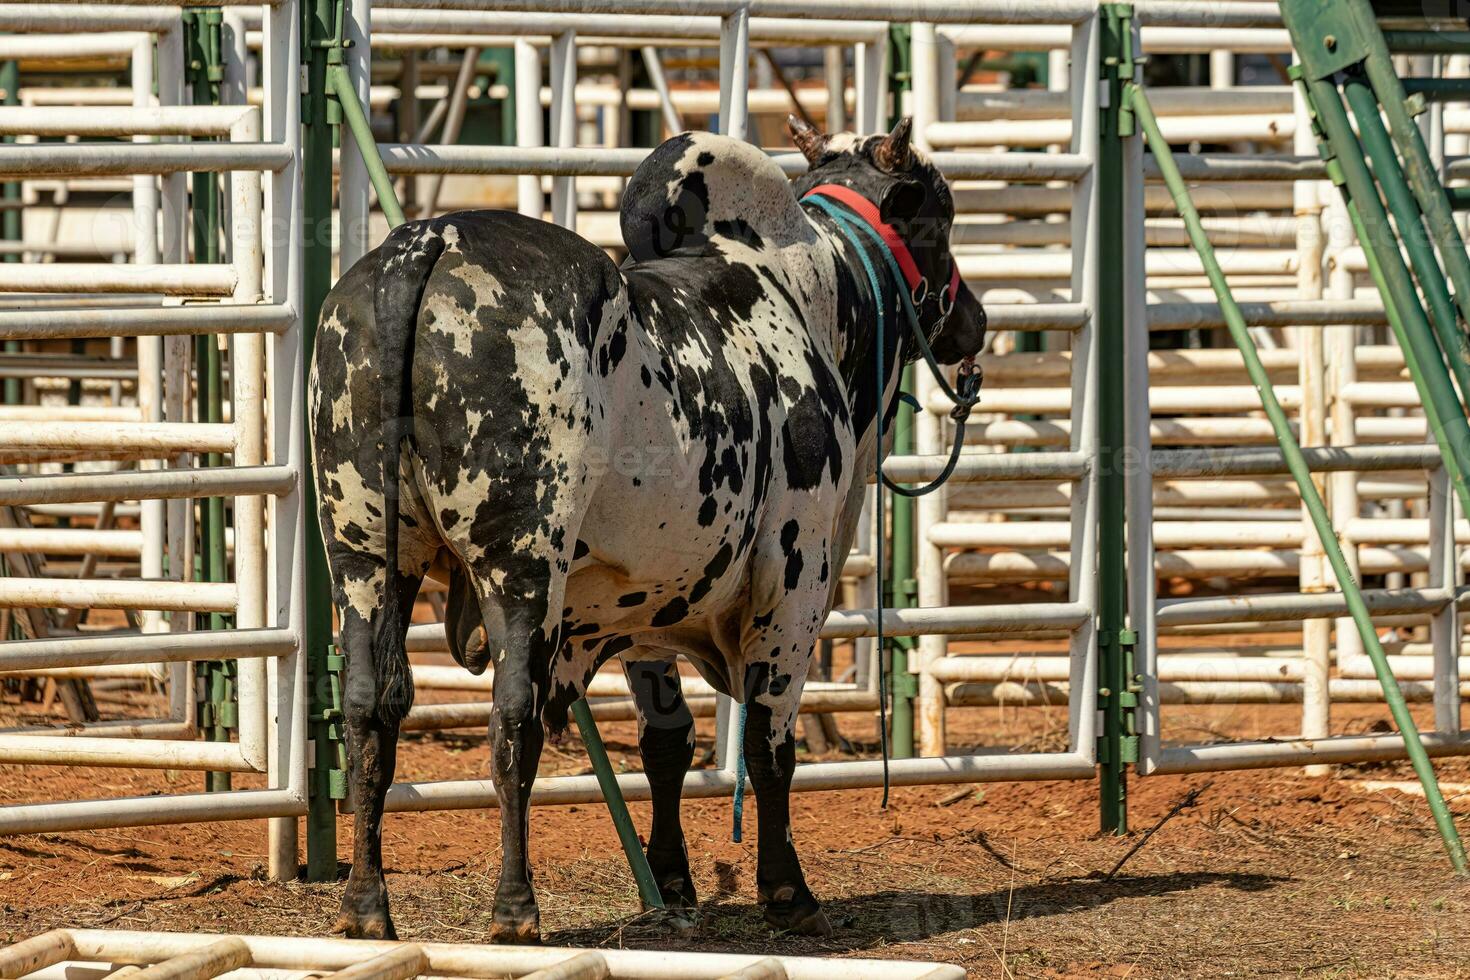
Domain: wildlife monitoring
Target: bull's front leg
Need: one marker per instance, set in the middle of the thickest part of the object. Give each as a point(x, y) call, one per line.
point(666, 743)
point(773, 695)
point(521, 657)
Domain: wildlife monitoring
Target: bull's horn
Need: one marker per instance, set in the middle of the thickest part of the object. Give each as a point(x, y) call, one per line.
point(894, 155)
point(808, 140)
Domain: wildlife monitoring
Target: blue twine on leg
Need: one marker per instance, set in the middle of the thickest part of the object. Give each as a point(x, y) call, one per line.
point(739, 812)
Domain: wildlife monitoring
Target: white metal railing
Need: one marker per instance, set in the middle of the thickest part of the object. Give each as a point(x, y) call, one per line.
point(257, 299)
point(1231, 525)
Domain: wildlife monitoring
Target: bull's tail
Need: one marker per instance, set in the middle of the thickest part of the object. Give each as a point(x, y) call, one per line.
point(405, 261)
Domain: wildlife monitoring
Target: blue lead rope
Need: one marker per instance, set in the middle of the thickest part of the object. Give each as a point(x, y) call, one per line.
point(846, 225)
point(739, 812)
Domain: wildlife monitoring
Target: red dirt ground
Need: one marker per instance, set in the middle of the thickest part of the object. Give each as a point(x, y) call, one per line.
point(1270, 873)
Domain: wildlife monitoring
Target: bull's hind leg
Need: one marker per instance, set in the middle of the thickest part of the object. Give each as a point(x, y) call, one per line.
point(666, 742)
point(521, 649)
point(372, 710)
point(772, 699)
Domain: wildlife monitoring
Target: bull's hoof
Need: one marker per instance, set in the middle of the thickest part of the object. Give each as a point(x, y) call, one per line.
point(371, 925)
point(794, 911)
point(522, 932)
point(677, 891)
point(517, 921)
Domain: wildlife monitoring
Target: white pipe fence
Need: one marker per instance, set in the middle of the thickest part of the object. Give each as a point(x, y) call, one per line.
point(1027, 240)
point(260, 280)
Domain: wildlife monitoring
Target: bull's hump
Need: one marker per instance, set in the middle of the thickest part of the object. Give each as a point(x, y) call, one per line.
point(700, 188)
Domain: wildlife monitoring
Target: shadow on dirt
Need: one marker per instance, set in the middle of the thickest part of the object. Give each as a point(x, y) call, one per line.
point(864, 921)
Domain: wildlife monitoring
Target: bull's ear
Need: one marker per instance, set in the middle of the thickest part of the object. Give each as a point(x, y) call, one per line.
point(894, 154)
point(811, 142)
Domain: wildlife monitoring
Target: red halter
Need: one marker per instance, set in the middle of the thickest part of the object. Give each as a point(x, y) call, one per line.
point(866, 210)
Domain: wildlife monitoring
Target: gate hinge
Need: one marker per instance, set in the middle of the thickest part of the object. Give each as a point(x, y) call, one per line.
point(1127, 749)
point(327, 713)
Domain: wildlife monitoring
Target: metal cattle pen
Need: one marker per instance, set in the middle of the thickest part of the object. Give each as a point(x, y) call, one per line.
point(1096, 410)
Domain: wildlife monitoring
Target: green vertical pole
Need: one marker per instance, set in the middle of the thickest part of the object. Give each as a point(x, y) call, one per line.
point(1296, 464)
point(205, 71)
point(1116, 744)
point(320, 20)
point(10, 223)
point(903, 587)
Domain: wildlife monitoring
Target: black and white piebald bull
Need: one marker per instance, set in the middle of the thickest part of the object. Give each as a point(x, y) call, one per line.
point(664, 458)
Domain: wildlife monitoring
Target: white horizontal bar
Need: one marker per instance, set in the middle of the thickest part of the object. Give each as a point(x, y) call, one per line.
point(145, 648)
point(1280, 313)
point(1001, 667)
point(969, 165)
point(988, 467)
point(1166, 534)
point(81, 750)
point(110, 277)
point(118, 594)
point(1016, 693)
point(1266, 461)
point(69, 413)
point(1036, 316)
point(1296, 752)
point(147, 811)
point(1156, 39)
point(1046, 132)
point(222, 481)
point(145, 322)
point(89, 122)
point(23, 440)
point(107, 542)
point(117, 159)
point(70, 47)
point(86, 18)
point(1321, 605)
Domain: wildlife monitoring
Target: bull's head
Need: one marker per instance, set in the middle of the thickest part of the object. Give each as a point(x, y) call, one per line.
point(912, 196)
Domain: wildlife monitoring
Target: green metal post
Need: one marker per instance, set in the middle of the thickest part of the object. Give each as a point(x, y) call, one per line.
point(903, 587)
point(1444, 412)
point(10, 218)
point(1409, 221)
point(607, 780)
point(321, 22)
point(1117, 746)
point(205, 71)
point(1297, 465)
